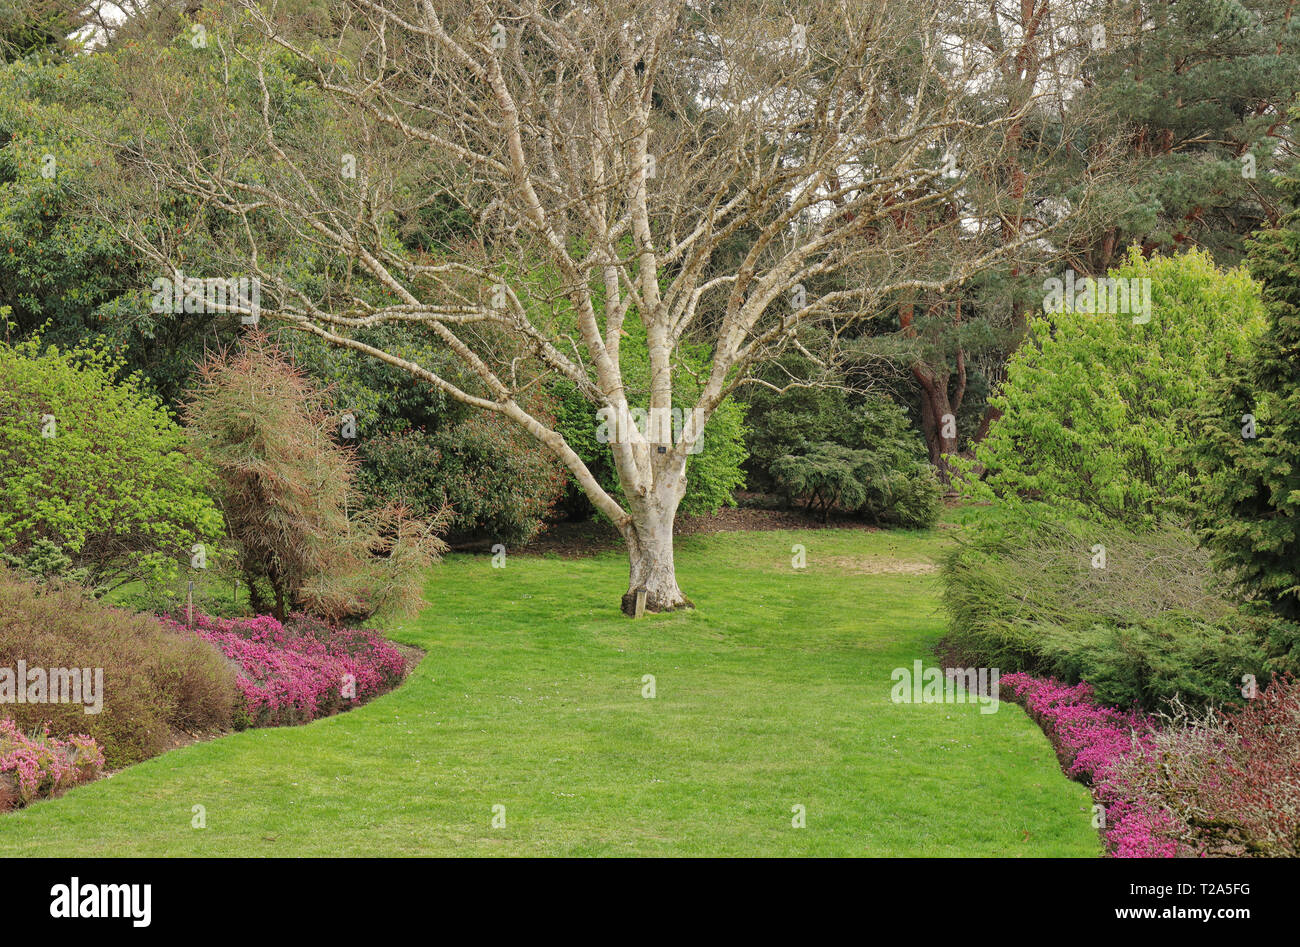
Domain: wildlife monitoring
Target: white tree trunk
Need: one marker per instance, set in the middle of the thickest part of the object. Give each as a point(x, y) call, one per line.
point(650, 553)
point(649, 535)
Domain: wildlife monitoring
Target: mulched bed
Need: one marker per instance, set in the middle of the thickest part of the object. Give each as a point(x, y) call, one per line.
point(588, 538)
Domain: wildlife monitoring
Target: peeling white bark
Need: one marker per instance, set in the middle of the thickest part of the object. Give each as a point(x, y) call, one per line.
point(649, 535)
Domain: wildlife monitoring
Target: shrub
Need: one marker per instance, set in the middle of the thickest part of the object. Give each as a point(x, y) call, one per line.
point(41, 767)
point(156, 680)
point(46, 562)
point(789, 422)
point(423, 449)
point(1095, 409)
point(826, 475)
point(1227, 783)
point(1022, 594)
point(1191, 784)
point(96, 467)
point(287, 491)
point(295, 672)
point(885, 476)
point(483, 469)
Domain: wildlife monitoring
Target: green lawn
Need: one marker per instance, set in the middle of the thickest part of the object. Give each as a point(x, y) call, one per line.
point(773, 693)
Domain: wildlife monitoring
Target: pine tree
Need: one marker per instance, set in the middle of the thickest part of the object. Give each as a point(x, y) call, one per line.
point(1249, 437)
point(1199, 95)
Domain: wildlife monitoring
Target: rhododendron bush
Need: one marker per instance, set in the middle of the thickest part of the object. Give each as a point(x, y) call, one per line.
point(304, 668)
point(1227, 783)
point(40, 766)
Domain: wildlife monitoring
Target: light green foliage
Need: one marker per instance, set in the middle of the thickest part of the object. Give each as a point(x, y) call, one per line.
point(715, 474)
point(1096, 408)
point(712, 475)
point(96, 467)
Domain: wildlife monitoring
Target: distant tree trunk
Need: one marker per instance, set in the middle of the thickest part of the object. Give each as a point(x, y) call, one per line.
point(281, 609)
point(256, 600)
point(939, 407)
point(938, 416)
point(991, 415)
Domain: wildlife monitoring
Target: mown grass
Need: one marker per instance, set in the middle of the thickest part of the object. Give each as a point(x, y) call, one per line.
point(773, 693)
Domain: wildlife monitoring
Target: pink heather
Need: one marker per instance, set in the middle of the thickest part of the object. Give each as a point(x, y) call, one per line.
point(292, 674)
point(40, 767)
point(1089, 740)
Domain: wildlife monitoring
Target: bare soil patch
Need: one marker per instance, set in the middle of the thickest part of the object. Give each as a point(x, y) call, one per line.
point(879, 565)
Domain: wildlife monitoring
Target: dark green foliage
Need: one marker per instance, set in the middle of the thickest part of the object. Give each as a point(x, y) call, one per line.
point(788, 422)
point(36, 27)
point(1207, 83)
point(1022, 594)
point(64, 270)
point(497, 481)
point(1249, 506)
point(875, 465)
point(826, 475)
point(418, 447)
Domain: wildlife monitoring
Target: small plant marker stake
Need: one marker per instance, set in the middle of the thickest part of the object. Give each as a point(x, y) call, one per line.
point(640, 604)
point(189, 604)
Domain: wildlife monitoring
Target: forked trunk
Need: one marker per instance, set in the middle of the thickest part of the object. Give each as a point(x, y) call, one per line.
point(650, 552)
